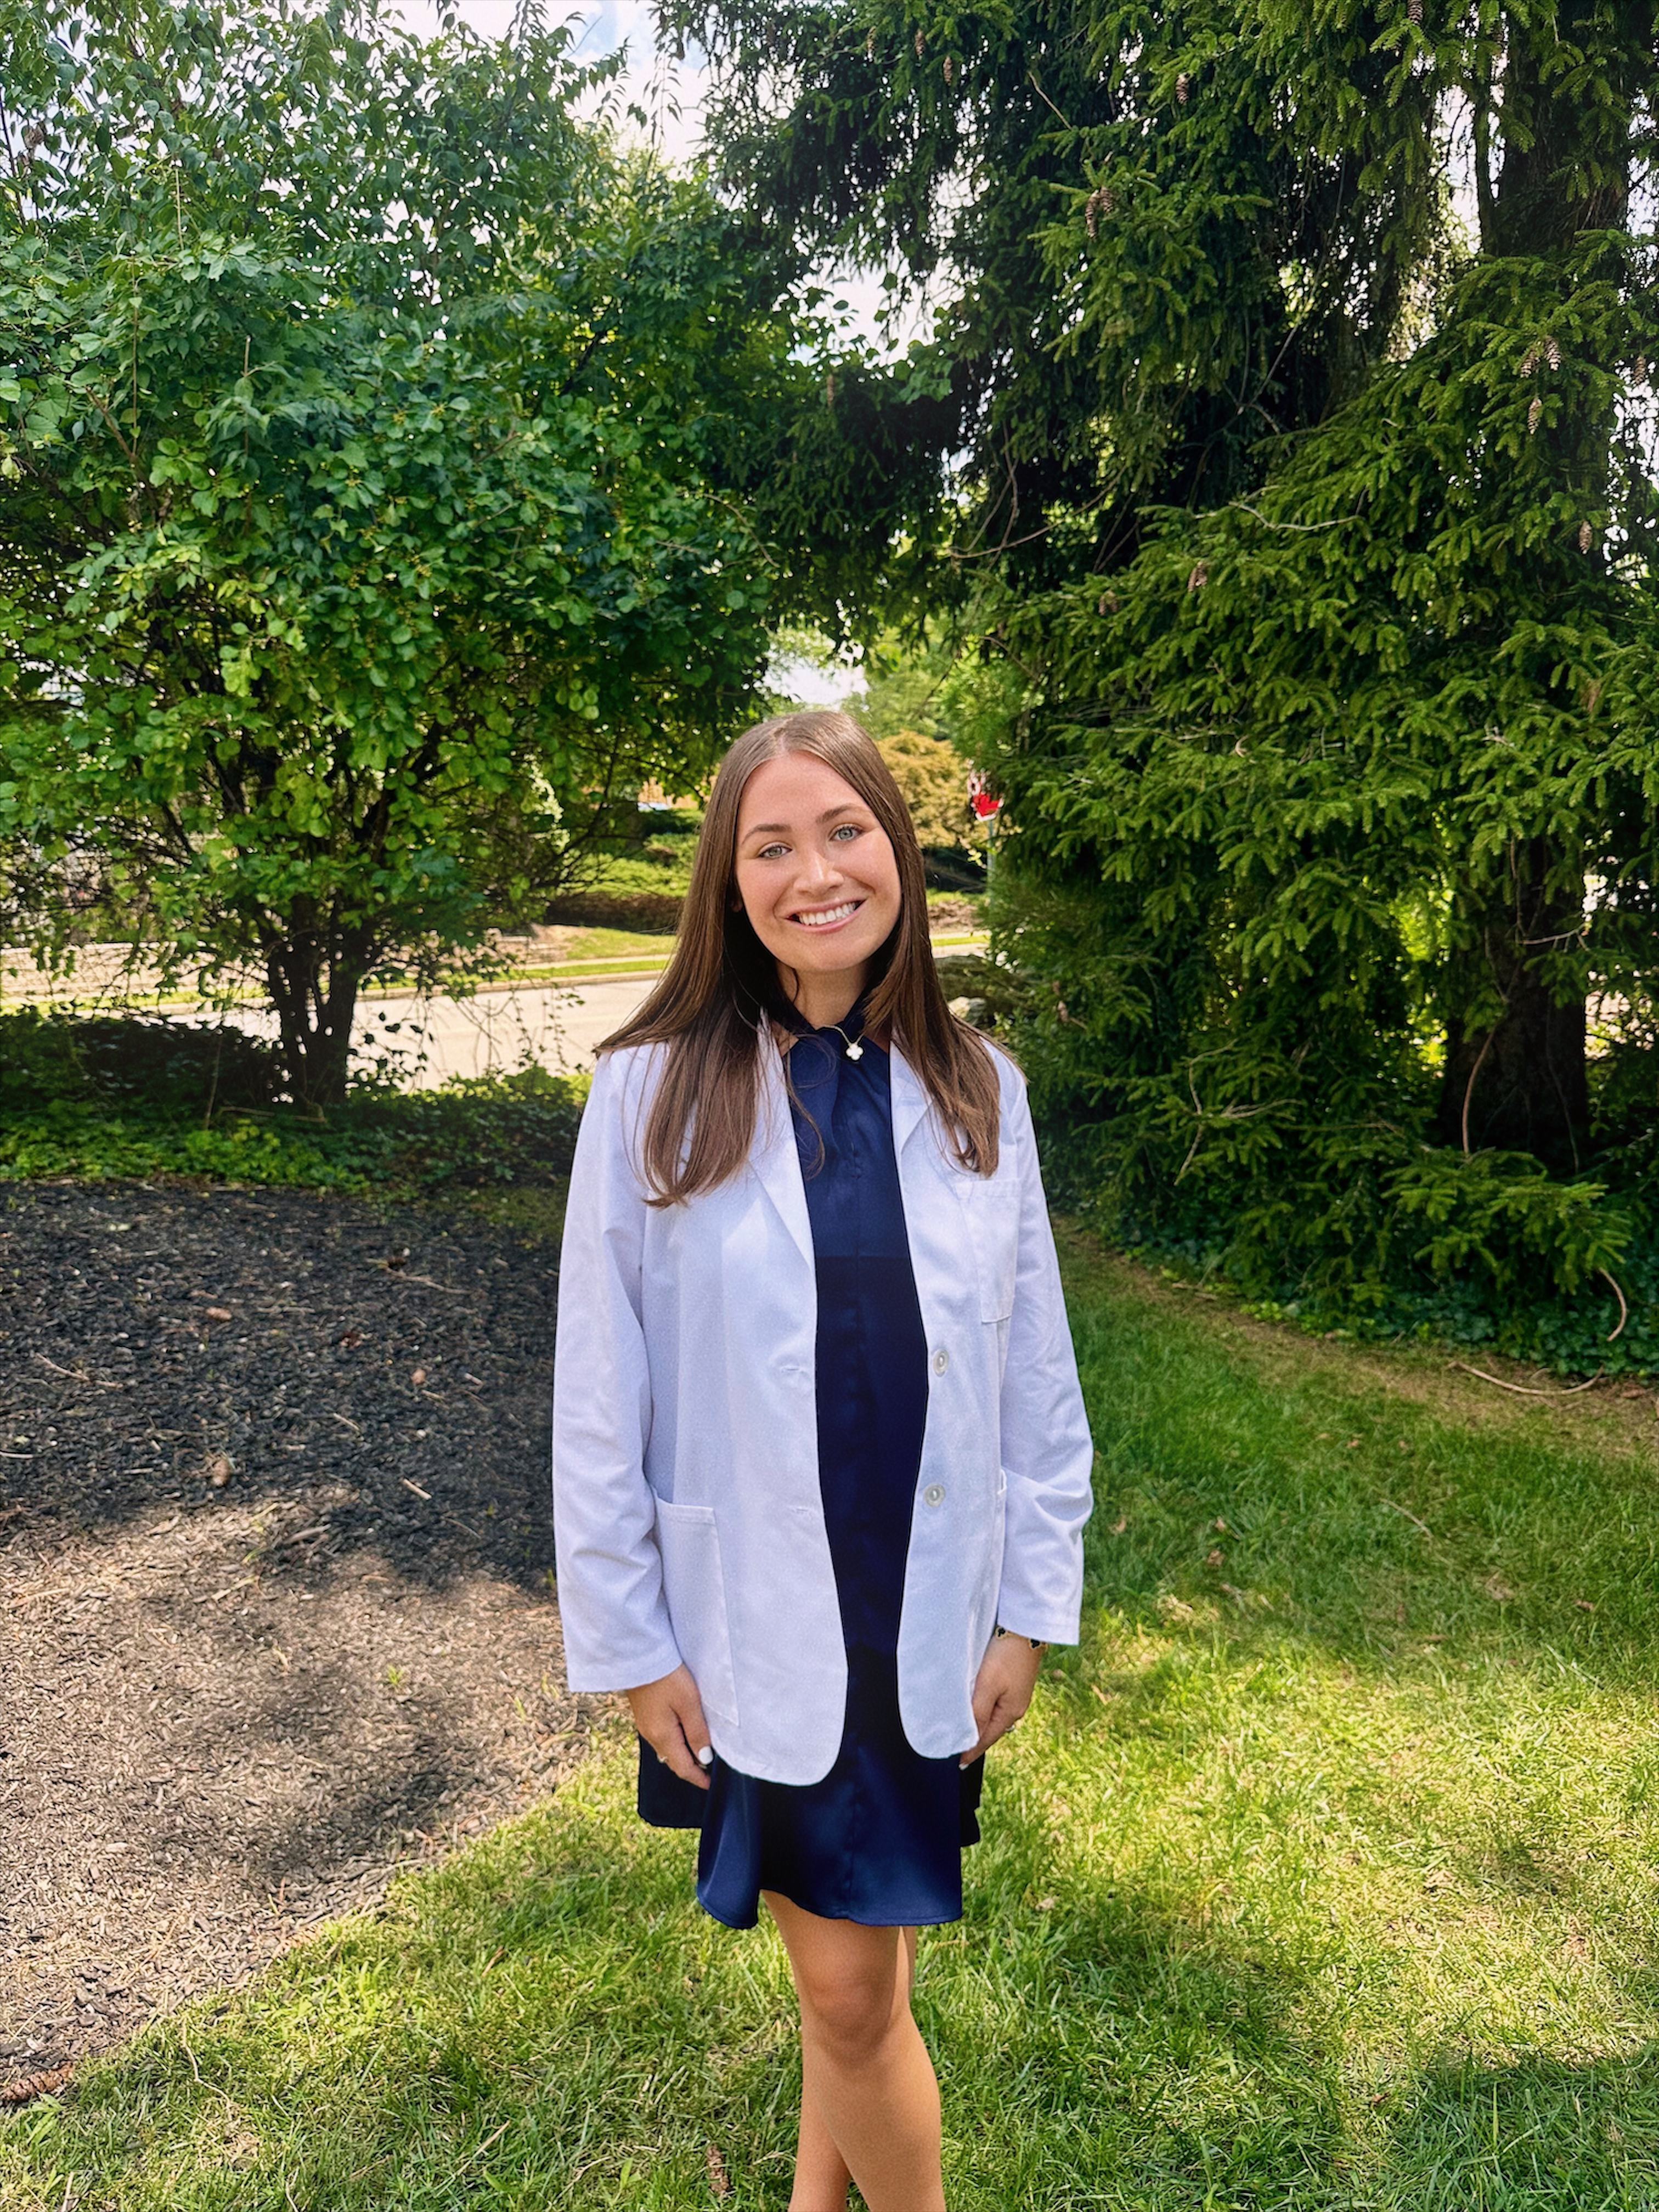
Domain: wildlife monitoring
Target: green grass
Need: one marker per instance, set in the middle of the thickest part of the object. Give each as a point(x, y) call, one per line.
point(1323, 1875)
point(648, 949)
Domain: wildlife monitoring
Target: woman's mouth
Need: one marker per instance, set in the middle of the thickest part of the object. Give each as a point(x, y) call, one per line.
point(827, 917)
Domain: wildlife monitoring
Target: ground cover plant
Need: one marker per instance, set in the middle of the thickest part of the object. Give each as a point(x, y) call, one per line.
point(128, 1097)
point(1320, 1876)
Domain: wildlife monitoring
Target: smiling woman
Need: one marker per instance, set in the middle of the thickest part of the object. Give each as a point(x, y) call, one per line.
point(818, 881)
point(805, 818)
point(818, 1442)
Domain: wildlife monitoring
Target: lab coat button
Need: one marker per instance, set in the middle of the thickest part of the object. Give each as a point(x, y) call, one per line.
point(934, 1494)
point(941, 1360)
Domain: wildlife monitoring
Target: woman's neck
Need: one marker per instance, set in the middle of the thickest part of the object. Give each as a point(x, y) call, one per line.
point(823, 1000)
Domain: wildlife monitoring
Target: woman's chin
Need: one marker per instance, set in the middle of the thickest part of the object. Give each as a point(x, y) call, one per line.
point(824, 967)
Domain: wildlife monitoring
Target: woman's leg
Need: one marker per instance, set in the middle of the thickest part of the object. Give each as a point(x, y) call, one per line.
point(869, 2100)
point(821, 2172)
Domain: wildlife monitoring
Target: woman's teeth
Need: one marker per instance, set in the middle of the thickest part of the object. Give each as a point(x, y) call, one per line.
point(830, 914)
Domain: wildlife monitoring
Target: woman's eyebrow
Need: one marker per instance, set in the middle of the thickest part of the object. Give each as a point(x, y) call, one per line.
point(783, 829)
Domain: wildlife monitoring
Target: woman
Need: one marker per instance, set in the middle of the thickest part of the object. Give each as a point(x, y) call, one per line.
point(821, 1465)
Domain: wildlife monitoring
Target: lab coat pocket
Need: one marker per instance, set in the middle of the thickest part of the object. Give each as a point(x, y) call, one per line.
point(991, 1205)
point(694, 1587)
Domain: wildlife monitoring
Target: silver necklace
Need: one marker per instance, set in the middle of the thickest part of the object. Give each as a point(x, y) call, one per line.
point(854, 1045)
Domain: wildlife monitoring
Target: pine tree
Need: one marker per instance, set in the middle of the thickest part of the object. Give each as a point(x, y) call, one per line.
point(1321, 686)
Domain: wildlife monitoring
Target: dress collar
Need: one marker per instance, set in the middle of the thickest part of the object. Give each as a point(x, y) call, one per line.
point(836, 1035)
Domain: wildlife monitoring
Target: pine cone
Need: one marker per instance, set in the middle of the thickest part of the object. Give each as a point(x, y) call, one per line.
point(23, 2091)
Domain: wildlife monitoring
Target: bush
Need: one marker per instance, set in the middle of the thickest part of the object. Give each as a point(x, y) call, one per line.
point(1498, 1218)
point(932, 779)
point(191, 1066)
point(655, 914)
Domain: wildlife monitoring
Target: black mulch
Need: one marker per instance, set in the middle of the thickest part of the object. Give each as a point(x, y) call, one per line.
point(275, 1554)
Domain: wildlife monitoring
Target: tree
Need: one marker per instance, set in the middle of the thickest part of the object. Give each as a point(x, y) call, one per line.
point(374, 500)
point(933, 779)
point(1320, 706)
point(1252, 281)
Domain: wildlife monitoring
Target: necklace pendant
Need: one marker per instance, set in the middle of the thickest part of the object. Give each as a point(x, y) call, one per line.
point(855, 1051)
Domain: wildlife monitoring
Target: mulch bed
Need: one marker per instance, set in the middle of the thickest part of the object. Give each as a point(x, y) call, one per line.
point(276, 1563)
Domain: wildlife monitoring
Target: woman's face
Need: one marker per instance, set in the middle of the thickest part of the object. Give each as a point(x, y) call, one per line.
point(817, 876)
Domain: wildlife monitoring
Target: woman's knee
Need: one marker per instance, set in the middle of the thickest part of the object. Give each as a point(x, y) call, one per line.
point(850, 2009)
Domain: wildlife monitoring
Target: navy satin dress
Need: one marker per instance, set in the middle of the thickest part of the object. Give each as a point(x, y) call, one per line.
point(879, 1839)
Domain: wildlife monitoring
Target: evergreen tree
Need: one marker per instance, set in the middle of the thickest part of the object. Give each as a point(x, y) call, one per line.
point(1321, 684)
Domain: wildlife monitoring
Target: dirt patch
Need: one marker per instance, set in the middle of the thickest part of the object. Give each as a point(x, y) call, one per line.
point(276, 1561)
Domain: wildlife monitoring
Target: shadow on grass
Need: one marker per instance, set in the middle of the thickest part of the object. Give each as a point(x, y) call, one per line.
point(1107, 2045)
point(548, 2022)
point(1539, 2135)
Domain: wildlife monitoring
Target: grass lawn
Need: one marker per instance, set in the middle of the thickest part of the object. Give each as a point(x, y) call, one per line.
point(1323, 1875)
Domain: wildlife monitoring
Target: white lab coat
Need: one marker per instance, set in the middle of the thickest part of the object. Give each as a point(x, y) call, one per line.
point(688, 1520)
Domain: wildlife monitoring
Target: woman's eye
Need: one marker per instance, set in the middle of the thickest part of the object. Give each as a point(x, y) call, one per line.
point(847, 830)
point(771, 852)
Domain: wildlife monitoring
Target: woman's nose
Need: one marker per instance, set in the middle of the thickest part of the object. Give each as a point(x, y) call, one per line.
point(817, 868)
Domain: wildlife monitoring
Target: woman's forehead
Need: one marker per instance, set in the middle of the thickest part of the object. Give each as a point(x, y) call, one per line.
point(794, 790)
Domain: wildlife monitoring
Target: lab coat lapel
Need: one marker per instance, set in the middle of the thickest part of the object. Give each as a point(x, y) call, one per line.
point(910, 1100)
point(775, 1160)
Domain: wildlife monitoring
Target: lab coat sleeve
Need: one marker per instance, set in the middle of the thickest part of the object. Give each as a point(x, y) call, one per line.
point(617, 1632)
point(1047, 1453)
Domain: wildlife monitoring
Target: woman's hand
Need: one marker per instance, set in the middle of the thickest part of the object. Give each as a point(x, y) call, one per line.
point(668, 1714)
point(1002, 1690)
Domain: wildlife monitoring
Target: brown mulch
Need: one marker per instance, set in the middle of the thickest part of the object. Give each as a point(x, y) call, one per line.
point(276, 1570)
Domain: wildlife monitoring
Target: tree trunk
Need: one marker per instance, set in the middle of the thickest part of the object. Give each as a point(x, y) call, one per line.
point(314, 987)
point(1518, 1084)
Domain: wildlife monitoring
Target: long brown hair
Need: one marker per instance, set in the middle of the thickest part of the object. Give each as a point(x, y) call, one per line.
point(710, 1008)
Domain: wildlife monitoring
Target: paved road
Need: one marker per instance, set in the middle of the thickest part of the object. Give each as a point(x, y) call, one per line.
point(558, 1026)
